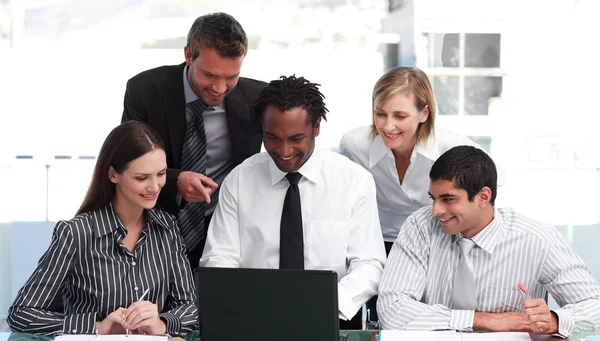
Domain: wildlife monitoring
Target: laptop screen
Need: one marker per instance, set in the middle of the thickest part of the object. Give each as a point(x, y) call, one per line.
point(267, 304)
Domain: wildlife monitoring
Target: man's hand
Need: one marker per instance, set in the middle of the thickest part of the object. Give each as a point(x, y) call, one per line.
point(501, 322)
point(195, 187)
point(142, 316)
point(112, 323)
point(542, 320)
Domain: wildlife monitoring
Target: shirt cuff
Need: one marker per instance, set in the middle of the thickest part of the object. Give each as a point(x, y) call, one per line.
point(566, 322)
point(173, 323)
point(462, 319)
point(346, 307)
point(84, 323)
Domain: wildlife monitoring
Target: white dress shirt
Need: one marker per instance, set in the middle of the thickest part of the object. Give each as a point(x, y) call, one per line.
point(397, 201)
point(339, 216)
point(416, 286)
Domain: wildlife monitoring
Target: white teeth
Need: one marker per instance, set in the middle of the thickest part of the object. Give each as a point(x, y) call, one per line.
point(444, 220)
point(287, 158)
point(391, 135)
point(147, 195)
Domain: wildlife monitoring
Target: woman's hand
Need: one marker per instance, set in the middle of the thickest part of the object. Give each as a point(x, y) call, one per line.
point(112, 323)
point(142, 316)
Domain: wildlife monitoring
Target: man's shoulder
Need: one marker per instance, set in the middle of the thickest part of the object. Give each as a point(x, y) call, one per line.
point(521, 222)
point(250, 164)
point(249, 88)
point(258, 158)
point(424, 216)
point(338, 164)
point(158, 74)
point(251, 83)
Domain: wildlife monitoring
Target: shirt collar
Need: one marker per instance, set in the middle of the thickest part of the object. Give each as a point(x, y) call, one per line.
point(487, 239)
point(110, 221)
point(188, 93)
point(429, 149)
point(310, 169)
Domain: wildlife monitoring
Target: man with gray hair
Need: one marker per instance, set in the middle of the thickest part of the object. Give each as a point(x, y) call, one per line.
point(201, 109)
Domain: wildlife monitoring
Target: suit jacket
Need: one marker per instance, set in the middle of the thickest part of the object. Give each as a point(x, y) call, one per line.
point(156, 97)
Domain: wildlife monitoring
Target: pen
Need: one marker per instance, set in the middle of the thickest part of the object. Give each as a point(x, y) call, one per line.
point(139, 299)
point(144, 294)
point(524, 298)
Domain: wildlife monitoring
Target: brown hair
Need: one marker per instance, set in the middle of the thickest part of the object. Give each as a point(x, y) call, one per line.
point(219, 31)
point(402, 80)
point(124, 144)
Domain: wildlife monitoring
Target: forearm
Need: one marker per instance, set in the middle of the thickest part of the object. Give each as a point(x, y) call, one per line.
point(181, 320)
point(43, 322)
point(578, 318)
point(358, 286)
point(406, 313)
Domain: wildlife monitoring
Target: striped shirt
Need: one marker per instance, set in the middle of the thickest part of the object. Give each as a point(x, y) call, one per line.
point(416, 287)
point(87, 264)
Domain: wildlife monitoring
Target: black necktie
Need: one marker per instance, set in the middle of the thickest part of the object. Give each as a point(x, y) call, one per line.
point(291, 240)
point(193, 158)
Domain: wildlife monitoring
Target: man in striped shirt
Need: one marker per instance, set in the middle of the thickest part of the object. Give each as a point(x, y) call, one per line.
point(427, 283)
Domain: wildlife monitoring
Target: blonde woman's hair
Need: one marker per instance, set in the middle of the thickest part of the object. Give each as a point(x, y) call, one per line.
point(404, 80)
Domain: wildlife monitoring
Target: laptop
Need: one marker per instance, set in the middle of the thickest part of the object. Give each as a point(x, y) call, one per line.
point(267, 304)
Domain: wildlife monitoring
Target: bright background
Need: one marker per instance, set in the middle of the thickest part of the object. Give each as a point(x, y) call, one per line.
point(517, 76)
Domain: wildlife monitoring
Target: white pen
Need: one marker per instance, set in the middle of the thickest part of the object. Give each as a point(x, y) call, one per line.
point(144, 294)
point(139, 299)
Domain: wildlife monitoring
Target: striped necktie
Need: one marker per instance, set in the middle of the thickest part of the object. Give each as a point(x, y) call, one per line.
point(193, 158)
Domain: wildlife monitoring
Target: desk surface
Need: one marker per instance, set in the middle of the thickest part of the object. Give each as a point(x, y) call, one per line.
point(360, 335)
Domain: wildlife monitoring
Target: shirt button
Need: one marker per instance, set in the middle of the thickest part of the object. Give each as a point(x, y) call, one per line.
point(74, 331)
point(133, 263)
point(136, 288)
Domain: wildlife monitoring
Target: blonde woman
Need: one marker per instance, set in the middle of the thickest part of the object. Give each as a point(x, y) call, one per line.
point(400, 146)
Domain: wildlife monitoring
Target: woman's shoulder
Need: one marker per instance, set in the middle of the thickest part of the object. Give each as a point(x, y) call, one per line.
point(163, 218)
point(356, 141)
point(447, 139)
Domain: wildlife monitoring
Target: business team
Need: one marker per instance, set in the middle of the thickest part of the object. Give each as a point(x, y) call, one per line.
point(455, 260)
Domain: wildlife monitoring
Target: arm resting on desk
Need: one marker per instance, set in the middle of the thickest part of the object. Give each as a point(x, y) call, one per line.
point(403, 284)
point(29, 313)
point(365, 254)
point(571, 284)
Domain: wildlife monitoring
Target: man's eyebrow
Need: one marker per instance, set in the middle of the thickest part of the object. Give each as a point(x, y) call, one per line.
point(446, 195)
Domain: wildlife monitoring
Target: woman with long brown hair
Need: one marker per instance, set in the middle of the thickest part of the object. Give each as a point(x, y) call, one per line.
point(119, 264)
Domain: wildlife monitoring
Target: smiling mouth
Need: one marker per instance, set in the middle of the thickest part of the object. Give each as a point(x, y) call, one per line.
point(445, 220)
point(391, 136)
point(213, 94)
point(287, 158)
point(149, 196)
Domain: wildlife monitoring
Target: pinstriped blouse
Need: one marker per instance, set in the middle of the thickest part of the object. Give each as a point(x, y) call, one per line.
point(87, 264)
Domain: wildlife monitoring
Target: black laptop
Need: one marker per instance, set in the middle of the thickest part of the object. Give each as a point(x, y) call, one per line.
point(267, 304)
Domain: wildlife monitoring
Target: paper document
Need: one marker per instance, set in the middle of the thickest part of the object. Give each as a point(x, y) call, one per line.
point(449, 335)
point(115, 337)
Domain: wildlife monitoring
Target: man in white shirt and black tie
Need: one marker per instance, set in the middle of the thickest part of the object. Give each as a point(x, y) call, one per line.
point(463, 264)
point(297, 207)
